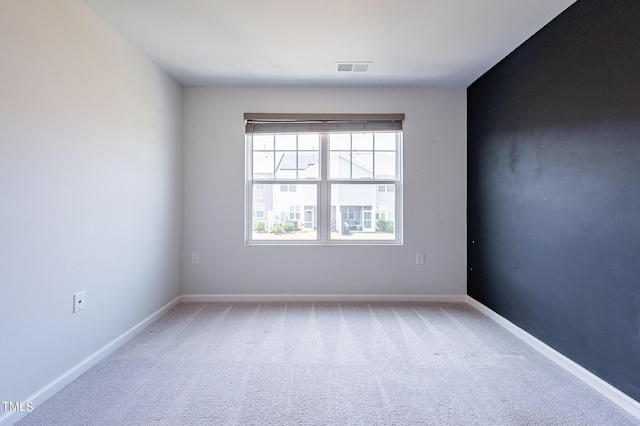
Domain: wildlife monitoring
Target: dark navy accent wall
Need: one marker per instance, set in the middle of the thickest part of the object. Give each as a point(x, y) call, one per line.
point(554, 188)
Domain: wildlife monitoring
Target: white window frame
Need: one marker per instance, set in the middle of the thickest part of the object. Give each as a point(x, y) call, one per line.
point(323, 185)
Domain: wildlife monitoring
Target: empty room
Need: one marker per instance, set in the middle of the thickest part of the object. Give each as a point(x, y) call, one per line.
point(336, 213)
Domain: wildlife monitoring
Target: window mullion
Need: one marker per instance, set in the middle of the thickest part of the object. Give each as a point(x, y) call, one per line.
point(373, 157)
point(274, 156)
point(324, 198)
point(351, 156)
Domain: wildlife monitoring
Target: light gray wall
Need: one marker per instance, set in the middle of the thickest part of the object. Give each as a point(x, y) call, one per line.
point(90, 189)
point(434, 197)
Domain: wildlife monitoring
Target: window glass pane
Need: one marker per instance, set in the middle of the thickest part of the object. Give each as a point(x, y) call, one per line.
point(362, 167)
point(340, 165)
point(385, 141)
point(360, 212)
point(262, 142)
point(286, 165)
point(308, 165)
point(285, 215)
point(385, 165)
point(362, 141)
point(262, 165)
point(340, 142)
point(309, 142)
point(285, 142)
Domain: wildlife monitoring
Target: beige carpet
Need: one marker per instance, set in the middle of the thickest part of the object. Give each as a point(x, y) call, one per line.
point(326, 364)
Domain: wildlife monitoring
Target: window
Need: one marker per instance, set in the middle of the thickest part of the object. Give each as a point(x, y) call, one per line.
point(327, 179)
point(294, 213)
point(258, 210)
point(287, 188)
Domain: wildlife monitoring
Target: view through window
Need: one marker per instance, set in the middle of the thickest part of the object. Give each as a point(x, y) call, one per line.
point(324, 180)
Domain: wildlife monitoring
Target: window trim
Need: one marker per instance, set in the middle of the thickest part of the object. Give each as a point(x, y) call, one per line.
point(323, 185)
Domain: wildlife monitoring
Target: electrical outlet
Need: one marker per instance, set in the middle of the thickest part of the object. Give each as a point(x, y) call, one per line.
point(78, 302)
point(195, 258)
point(419, 258)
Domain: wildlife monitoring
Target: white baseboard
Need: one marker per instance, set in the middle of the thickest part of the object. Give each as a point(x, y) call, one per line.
point(615, 395)
point(73, 373)
point(443, 298)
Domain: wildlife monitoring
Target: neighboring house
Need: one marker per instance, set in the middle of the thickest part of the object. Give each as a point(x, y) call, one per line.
point(358, 207)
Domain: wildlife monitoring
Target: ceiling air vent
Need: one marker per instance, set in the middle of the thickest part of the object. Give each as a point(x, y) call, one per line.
point(354, 66)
